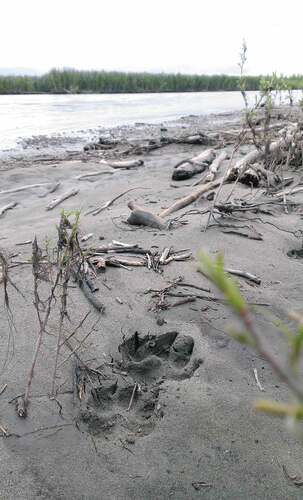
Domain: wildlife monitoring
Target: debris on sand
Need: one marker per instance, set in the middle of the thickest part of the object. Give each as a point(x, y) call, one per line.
point(127, 255)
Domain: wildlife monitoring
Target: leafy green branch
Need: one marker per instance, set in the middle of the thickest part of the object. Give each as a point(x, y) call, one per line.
point(214, 271)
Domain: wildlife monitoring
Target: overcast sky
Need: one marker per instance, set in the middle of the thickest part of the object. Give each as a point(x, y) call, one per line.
point(192, 36)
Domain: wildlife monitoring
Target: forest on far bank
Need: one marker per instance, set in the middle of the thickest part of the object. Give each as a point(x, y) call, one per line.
point(75, 81)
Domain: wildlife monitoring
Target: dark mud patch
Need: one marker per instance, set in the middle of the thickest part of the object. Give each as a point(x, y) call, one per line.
point(123, 396)
point(295, 254)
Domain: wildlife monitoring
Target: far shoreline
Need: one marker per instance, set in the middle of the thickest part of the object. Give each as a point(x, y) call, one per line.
point(128, 93)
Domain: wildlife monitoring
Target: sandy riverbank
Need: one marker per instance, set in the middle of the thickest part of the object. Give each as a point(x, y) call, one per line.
point(204, 428)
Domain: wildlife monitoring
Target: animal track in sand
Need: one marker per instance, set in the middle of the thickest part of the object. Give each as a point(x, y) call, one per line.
point(123, 395)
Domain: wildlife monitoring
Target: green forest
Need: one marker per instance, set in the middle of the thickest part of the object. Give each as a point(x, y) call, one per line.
point(74, 81)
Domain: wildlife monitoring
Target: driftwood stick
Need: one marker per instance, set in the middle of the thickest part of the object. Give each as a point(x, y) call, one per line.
point(118, 246)
point(51, 189)
point(164, 255)
point(258, 381)
point(142, 217)
point(126, 164)
point(287, 192)
point(183, 301)
point(124, 245)
point(132, 396)
point(245, 275)
point(94, 301)
point(24, 188)
point(213, 169)
point(63, 197)
point(236, 132)
point(87, 236)
point(3, 389)
point(74, 350)
point(117, 260)
point(83, 177)
point(190, 198)
point(178, 257)
point(110, 202)
point(7, 207)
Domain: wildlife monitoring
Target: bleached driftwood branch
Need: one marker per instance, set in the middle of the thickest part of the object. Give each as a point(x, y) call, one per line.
point(190, 198)
point(213, 169)
point(126, 164)
point(63, 197)
point(7, 207)
point(52, 187)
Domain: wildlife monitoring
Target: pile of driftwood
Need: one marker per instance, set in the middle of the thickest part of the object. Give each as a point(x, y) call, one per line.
point(261, 167)
point(125, 255)
point(87, 264)
point(145, 146)
point(185, 292)
point(44, 189)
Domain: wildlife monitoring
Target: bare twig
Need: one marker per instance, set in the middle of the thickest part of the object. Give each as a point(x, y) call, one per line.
point(7, 207)
point(244, 274)
point(96, 211)
point(258, 381)
point(136, 386)
point(3, 389)
point(63, 197)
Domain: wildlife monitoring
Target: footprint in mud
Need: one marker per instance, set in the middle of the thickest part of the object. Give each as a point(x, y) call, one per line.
point(123, 395)
point(165, 356)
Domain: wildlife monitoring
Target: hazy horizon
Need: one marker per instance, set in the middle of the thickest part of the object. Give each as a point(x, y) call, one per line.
point(33, 72)
point(190, 37)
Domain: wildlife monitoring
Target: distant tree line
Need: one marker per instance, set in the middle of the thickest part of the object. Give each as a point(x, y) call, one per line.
point(74, 81)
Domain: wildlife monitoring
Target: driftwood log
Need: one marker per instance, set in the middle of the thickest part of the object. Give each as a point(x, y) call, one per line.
point(190, 198)
point(213, 169)
point(276, 149)
point(190, 167)
point(96, 211)
point(142, 217)
point(256, 175)
point(63, 197)
point(215, 165)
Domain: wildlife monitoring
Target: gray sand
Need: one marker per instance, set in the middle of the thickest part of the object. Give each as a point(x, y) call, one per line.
point(206, 429)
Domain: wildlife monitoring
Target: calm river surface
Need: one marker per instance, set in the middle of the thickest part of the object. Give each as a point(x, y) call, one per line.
point(24, 116)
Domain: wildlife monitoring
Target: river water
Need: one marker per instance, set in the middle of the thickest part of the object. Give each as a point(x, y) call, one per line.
point(24, 116)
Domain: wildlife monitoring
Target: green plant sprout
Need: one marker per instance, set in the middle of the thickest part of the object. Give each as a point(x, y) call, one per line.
point(213, 269)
